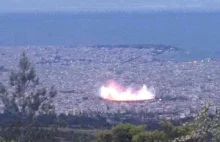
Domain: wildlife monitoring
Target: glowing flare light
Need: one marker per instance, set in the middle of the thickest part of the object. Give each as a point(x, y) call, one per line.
point(114, 92)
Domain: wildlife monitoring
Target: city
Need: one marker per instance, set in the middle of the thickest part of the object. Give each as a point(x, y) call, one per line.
point(181, 88)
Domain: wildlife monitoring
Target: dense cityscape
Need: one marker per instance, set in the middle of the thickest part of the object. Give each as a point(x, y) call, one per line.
point(181, 88)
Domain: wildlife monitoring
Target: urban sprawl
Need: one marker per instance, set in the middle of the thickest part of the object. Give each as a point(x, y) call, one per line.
point(181, 88)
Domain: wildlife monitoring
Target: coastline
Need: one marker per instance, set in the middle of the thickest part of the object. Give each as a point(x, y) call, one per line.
point(182, 86)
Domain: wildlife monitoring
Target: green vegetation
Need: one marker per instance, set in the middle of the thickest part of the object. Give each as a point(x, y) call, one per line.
point(25, 101)
point(132, 133)
point(204, 128)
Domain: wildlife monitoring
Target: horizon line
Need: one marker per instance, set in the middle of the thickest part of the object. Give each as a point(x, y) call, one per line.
point(113, 10)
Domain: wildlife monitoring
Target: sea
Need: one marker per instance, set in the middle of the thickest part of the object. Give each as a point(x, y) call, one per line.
point(197, 33)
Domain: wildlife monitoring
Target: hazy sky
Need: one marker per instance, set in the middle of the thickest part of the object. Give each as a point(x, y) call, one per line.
point(106, 5)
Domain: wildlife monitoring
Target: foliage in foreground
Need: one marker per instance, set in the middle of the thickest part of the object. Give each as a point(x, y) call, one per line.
point(24, 100)
point(132, 133)
point(204, 128)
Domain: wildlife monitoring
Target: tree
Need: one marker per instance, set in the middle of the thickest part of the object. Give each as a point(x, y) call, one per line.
point(120, 133)
point(151, 136)
point(204, 127)
point(167, 128)
point(173, 132)
point(125, 132)
point(25, 100)
point(105, 136)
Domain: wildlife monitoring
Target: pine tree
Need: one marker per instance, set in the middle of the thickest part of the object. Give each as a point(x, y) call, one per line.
point(203, 127)
point(25, 100)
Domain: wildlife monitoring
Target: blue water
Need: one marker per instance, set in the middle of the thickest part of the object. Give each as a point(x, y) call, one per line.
point(198, 33)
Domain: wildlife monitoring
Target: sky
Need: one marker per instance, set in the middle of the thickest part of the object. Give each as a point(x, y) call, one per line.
point(108, 5)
